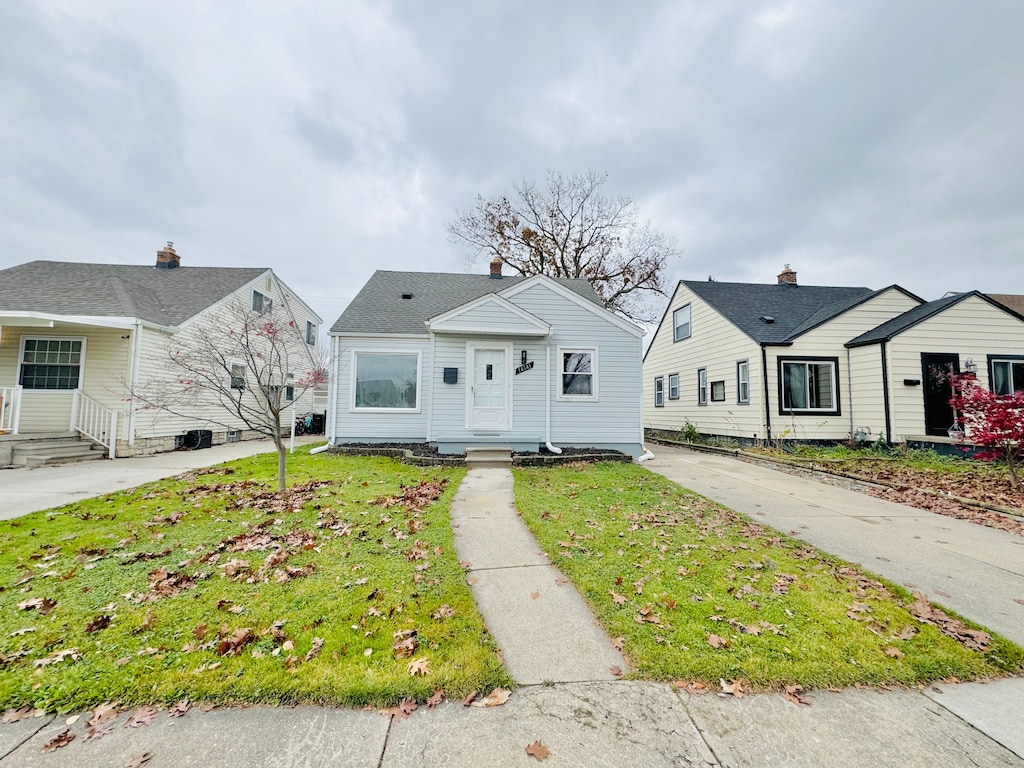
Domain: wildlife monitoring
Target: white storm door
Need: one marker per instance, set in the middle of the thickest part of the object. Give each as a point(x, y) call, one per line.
point(490, 391)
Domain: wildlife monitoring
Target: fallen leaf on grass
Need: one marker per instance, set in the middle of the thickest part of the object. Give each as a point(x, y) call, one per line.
point(495, 698)
point(149, 623)
point(444, 612)
point(893, 652)
point(103, 712)
point(435, 698)
point(179, 709)
point(59, 656)
point(470, 698)
point(401, 711)
point(42, 604)
point(733, 688)
point(420, 666)
point(617, 598)
point(16, 715)
point(617, 643)
point(138, 761)
point(100, 622)
point(62, 739)
point(717, 642)
point(140, 717)
point(318, 644)
point(537, 750)
point(695, 687)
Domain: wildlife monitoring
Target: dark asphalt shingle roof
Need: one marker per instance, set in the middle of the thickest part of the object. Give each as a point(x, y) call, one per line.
point(161, 296)
point(795, 308)
point(380, 308)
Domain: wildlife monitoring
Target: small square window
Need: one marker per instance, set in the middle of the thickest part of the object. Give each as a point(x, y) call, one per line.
point(717, 391)
point(261, 303)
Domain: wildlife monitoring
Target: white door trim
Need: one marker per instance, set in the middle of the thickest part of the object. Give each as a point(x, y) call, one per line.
point(471, 349)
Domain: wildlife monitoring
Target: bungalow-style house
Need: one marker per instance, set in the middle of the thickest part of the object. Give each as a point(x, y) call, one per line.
point(461, 361)
point(79, 341)
point(795, 362)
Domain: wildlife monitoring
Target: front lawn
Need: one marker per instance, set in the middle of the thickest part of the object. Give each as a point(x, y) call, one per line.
point(346, 590)
point(694, 591)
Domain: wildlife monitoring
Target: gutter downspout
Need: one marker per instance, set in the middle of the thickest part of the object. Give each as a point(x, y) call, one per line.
point(547, 399)
point(885, 394)
point(332, 400)
point(764, 378)
point(849, 387)
point(136, 354)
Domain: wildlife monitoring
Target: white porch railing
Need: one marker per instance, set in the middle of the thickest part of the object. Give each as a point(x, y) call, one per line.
point(95, 421)
point(10, 408)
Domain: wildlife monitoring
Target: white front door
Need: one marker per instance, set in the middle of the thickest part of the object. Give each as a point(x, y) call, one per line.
point(489, 396)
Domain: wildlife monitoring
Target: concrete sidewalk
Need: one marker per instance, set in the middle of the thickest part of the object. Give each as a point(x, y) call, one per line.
point(25, 490)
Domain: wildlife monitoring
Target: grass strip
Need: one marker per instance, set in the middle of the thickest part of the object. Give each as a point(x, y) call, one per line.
point(695, 591)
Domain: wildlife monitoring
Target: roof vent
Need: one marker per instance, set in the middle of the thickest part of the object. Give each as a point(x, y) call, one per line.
point(406, 295)
point(767, 319)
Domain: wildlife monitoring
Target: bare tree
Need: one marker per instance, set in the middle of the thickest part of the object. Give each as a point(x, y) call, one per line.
point(235, 367)
point(572, 229)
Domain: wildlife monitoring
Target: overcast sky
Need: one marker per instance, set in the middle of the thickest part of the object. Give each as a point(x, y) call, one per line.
point(864, 143)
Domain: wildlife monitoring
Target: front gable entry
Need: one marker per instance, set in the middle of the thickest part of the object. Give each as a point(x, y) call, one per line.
point(491, 315)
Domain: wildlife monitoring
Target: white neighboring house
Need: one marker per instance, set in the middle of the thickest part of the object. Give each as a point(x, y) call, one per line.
point(823, 363)
point(462, 360)
point(76, 340)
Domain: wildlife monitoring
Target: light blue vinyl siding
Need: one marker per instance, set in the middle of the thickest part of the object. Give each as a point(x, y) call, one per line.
point(493, 317)
point(374, 426)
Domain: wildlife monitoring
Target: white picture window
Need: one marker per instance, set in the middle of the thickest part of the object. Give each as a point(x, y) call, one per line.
point(51, 363)
point(681, 323)
point(673, 386)
point(659, 391)
point(809, 386)
point(743, 382)
point(386, 381)
point(1007, 375)
point(702, 386)
point(578, 370)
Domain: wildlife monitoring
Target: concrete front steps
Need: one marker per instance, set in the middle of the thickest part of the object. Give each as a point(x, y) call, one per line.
point(54, 448)
point(489, 456)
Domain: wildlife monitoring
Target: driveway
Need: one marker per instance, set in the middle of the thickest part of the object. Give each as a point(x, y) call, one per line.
point(28, 490)
point(976, 571)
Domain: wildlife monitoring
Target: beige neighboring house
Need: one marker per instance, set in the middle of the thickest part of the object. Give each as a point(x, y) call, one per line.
point(823, 363)
point(76, 340)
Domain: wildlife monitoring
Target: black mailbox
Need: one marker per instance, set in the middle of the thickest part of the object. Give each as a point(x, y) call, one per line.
point(451, 375)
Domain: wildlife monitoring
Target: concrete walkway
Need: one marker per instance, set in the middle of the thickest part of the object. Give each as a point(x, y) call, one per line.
point(544, 628)
point(976, 571)
point(25, 490)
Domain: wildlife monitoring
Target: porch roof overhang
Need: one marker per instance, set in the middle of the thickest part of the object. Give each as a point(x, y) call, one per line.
point(27, 319)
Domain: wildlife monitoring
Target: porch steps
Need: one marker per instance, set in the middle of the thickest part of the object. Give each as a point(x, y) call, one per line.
point(56, 449)
point(489, 456)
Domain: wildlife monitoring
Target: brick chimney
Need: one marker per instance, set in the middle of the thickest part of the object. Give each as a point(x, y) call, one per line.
point(496, 268)
point(166, 258)
point(787, 276)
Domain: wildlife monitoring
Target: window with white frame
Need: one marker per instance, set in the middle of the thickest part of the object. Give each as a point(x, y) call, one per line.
point(743, 382)
point(659, 391)
point(311, 333)
point(261, 302)
point(809, 385)
point(673, 386)
point(578, 367)
point(681, 323)
point(702, 386)
point(238, 375)
point(385, 381)
point(51, 363)
point(1006, 374)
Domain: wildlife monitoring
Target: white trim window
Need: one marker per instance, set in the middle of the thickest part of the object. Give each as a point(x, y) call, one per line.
point(673, 386)
point(51, 363)
point(577, 370)
point(743, 382)
point(659, 391)
point(311, 333)
point(385, 381)
point(681, 328)
point(702, 386)
point(261, 302)
point(237, 375)
point(1007, 374)
point(809, 385)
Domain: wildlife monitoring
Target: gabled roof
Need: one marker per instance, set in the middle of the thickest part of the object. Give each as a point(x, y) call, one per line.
point(380, 308)
point(1010, 301)
point(919, 314)
point(160, 296)
point(795, 309)
point(515, 321)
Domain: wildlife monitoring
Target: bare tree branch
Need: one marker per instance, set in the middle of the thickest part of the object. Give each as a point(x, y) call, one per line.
point(572, 229)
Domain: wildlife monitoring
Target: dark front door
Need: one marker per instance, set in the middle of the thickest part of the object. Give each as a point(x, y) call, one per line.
point(938, 413)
